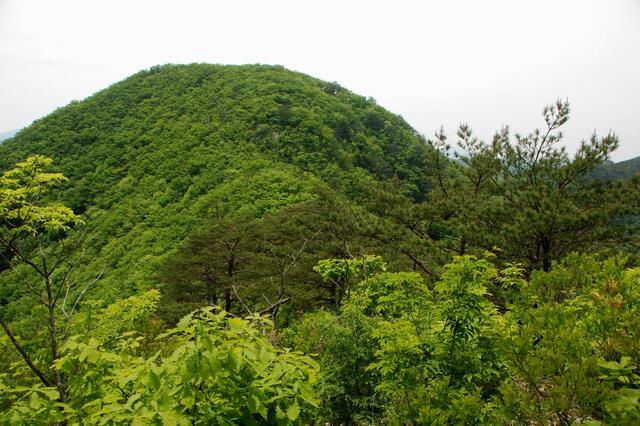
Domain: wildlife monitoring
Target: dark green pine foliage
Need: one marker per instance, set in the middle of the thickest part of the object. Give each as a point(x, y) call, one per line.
point(151, 158)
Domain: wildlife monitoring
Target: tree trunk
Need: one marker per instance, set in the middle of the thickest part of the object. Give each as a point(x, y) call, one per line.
point(51, 306)
point(545, 245)
point(227, 300)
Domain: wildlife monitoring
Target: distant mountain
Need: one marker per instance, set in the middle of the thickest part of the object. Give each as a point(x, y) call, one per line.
point(615, 171)
point(7, 135)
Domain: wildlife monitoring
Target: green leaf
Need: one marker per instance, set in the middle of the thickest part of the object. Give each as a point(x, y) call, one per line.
point(252, 403)
point(155, 380)
point(293, 412)
point(279, 413)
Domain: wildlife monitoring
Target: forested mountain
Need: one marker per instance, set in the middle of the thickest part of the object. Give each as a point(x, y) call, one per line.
point(216, 245)
point(621, 170)
point(150, 157)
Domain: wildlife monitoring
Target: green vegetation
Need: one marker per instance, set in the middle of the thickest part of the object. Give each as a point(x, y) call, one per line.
point(622, 170)
point(150, 158)
point(528, 196)
point(247, 245)
point(564, 351)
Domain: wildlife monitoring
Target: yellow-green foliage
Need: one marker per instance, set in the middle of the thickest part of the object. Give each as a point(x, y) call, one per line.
point(222, 371)
point(124, 315)
point(22, 208)
point(562, 349)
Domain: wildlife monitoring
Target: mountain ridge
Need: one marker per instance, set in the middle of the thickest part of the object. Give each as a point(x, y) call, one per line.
point(149, 157)
point(619, 170)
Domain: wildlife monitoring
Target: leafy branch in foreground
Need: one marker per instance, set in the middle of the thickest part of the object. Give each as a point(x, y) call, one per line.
point(221, 370)
point(33, 232)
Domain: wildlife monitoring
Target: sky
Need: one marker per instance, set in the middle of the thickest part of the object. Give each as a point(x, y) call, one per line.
point(487, 63)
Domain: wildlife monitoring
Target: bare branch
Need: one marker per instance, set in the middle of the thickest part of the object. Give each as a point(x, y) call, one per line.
point(273, 306)
point(80, 296)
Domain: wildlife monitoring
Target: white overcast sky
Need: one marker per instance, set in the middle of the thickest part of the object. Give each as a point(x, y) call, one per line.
point(484, 62)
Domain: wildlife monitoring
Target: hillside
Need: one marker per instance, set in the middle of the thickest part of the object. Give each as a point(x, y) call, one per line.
point(621, 170)
point(149, 158)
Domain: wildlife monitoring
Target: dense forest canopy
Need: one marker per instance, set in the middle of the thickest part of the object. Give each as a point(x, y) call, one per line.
point(149, 156)
point(208, 244)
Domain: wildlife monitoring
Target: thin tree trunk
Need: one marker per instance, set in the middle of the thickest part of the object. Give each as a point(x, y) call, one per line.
point(51, 305)
point(27, 359)
point(546, 254)
point(227, 300)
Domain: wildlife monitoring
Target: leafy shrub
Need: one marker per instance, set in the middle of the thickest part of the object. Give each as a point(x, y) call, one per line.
point(221, 371)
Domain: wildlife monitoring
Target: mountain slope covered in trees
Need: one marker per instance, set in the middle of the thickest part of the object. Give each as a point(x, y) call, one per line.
point(621, 170)
point(149, 158)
